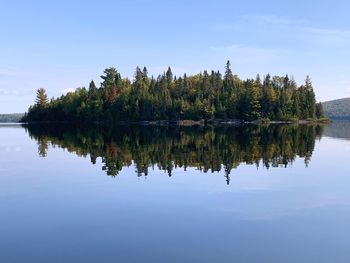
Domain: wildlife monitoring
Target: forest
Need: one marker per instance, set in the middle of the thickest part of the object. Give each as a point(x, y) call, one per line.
point(207, 148)
point(204, 96)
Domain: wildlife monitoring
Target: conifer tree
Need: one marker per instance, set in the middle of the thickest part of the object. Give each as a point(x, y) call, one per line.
point(41, 98)
point(319, 110)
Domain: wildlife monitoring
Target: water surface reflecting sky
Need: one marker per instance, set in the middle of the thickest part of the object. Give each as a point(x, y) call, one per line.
point(63, 208)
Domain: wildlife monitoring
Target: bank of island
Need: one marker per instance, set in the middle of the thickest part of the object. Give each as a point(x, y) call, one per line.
point(205, 97)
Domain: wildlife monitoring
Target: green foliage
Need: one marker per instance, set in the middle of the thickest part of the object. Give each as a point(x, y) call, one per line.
point(319, 110)
point(167, 97)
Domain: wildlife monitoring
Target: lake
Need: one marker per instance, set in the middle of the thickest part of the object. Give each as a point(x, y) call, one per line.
point(278, 193)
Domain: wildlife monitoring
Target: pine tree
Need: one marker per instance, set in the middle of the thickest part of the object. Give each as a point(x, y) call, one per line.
point(169, 75)
point(109, 77)
point(41, 98)
point(92, 89)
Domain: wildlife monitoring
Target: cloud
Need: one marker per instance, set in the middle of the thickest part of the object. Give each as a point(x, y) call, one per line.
point(327, 31)
point(280, 21)
point(258, 20)
point(300, 29)
point(299, 24)
point(245, 50)
point(12, 72)
point(6, 72)
point(347, 90)
point(7, 92)
point(225, 26)
point(65, 91)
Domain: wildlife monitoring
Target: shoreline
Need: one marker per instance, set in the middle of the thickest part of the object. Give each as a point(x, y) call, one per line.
point(212, 122)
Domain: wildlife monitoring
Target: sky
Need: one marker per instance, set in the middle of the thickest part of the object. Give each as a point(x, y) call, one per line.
point(62, 45)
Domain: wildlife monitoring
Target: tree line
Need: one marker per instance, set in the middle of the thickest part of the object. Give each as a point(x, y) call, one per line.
point(207, 148)
point(204, 96)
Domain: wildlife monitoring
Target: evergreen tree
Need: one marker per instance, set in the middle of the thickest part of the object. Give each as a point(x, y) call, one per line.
point(41, 98)
point(319, 110)
point(169, 75)
point(92, 88)
point(110, 77)
point(310, 98)
point(228, 72)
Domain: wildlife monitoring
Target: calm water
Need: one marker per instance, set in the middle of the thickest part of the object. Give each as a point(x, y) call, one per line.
point(170, 194)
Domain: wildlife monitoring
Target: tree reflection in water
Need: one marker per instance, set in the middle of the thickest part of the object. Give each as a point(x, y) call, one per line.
point(169, 147)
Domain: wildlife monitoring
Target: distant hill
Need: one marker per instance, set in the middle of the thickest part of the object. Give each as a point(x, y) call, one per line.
point(12, 117)
point(337, 109)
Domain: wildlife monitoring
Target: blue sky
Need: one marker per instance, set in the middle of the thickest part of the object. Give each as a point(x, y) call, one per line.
point(61, 45)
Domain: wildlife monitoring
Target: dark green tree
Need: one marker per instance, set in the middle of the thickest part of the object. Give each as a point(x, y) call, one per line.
point(319, 110)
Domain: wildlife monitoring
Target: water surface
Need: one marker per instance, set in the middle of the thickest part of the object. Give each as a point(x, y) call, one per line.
point(175, 194)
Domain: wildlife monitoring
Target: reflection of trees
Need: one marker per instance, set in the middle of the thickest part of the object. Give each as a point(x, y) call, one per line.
point(206, 148)
point(43, 145)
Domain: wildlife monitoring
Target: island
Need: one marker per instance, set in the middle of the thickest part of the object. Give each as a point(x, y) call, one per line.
point(207, 96)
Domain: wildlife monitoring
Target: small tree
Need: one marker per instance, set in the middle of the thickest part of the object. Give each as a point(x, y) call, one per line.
point(41, 98)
